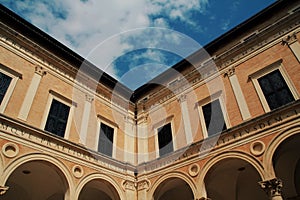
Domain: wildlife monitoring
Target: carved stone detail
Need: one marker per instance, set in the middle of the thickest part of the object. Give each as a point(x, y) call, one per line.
point(182, 98)
point(289, 39)
point(272, 187)
point(3, 189)
point(230, 72)
point(40, 71)
point(143, 185)
point(128, 185)
point(89, 98)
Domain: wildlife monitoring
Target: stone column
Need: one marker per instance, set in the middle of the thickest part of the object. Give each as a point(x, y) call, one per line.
point(186, 119)
point(243, 107)
point(272, 188)
point(3, 189)
point(292, 42)
point(31, 92)
point(85, 118)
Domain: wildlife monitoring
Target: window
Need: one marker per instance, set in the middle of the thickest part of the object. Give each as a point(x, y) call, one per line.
point(106, 140)
point(275, 89)
point(213, 117)
point(8, 81)
point(57, 118)
point(165, 141)
point(4, 84)
point(273, 86)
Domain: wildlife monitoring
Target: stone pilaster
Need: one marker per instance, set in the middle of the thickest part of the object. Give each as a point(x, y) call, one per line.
point(272, 188)
point(85, 118)
point(292, 41)
point(31, 92)
point(238, 93)
point(186, 118)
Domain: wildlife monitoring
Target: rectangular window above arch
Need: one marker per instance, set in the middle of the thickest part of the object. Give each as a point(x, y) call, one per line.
point(165, 140)
point(273, 86)
point(8, 81)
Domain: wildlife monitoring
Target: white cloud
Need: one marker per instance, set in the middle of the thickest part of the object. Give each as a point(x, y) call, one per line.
point(91, 27)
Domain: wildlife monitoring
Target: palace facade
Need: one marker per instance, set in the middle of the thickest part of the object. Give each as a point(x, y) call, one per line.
point(224, 123)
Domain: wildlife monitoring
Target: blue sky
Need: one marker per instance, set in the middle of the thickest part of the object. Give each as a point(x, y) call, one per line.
point(135, 40)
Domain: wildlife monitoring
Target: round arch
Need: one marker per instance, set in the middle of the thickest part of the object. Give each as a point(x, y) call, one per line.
point(232, 154)
point(96, 176)
point(179, 175)
point(229, 175)
point(283, 154)
point(274, 144)
point(37, 157)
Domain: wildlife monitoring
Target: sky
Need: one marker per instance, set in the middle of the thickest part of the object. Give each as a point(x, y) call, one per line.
point(135, 40)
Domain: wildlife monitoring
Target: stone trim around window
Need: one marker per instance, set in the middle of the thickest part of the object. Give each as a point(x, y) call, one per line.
point(111, 124)
point(15, 76)
point(266, 70)
point(216, 96)
point(64, 100)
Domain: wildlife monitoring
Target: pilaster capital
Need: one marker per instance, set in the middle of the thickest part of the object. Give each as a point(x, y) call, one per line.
point(143, 185)
point(40, 70)
point(229, 72)
point(182, 98)
point(89, 98)
point(3, 189)
point(272, 187)
point(289, 39)
point(128, 185)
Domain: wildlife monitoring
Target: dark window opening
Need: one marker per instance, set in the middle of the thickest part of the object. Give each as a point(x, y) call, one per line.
point(106, 139)
point(214, 119)
point(165, 139)
point(57, 118)
point(4, 84)
point(275, 90)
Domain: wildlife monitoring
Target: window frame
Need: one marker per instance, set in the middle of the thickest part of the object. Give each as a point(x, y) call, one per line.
point(266, 70)
point(114, 126)
point(216, 96)
point(14, 79)
point(61, 99)
point(160, 125)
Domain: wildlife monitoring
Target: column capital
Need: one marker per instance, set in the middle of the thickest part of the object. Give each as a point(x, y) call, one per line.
point(272, 187)
point(289, 39)
point(229, 72)
point(143, 185)
point(3, 189)
point(40, 70)
point(89, 98)
point(182, 98)
point(129, 185)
